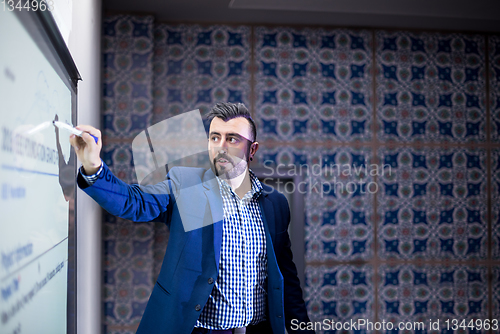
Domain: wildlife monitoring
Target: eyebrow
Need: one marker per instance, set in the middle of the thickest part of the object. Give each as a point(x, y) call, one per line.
point(234, 134)
point(227, 134)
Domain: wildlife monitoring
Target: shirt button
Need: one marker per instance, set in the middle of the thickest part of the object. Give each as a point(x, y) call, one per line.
point(197, 307)
point(210, 280)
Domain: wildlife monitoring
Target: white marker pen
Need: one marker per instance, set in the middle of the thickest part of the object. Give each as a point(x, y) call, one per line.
point(71, 129)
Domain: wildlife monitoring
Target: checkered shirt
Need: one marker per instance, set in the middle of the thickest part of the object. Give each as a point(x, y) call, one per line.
point(238, 298)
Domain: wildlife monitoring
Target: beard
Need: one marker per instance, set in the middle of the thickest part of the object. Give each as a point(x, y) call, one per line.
point(228, 167)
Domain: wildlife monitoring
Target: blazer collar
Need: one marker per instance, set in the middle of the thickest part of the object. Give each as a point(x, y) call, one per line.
point(214, 198)
point(209, 180)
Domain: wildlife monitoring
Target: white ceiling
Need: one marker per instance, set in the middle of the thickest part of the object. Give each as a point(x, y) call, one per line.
point(458, 15)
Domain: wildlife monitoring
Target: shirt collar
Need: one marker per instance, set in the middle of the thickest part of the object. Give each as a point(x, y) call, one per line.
point(255, 192)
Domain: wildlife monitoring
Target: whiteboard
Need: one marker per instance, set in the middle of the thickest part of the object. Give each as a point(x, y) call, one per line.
point(37, 171)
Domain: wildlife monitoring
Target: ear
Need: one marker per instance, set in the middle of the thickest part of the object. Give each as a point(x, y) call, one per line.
point(253, 148)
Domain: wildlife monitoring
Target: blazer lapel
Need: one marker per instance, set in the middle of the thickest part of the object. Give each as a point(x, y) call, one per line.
point(267, 210)
point(214, 198)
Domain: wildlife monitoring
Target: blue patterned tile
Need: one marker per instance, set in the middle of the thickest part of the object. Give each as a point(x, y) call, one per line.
point(496, 293)
point(195, 67)
point(127, 110)
point(339, 224)
point(495, 201)
point(432, 204)
point(339, 204)
point(127, 75)
point(313, 83)
point(127, 270)
point(409, 293)
point(430, 87)
point(339, 293)
point(494, 53)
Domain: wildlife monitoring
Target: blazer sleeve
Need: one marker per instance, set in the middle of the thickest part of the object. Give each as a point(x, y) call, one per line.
point(295, 307)
point(134, 202)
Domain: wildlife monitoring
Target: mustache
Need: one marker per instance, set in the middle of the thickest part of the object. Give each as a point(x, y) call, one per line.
point(223, 156)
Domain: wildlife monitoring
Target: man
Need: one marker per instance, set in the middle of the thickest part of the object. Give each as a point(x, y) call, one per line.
point(233, 275)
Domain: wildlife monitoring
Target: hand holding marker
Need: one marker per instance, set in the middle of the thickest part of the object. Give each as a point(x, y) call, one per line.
point(88, 156)
point(71, 129)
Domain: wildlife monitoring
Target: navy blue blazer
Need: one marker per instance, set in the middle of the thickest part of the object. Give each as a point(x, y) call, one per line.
point(191, 262)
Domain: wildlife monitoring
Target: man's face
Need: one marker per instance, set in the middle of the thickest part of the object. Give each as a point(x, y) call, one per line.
point(229, 146)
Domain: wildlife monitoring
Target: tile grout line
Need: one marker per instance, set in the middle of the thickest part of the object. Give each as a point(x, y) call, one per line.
point(375, 260)
point(488, 141)
point(488, 173)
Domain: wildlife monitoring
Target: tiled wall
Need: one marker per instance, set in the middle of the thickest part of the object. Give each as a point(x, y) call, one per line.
point(128, 265)
point(412, 120)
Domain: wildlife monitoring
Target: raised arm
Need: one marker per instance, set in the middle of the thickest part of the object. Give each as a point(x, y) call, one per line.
point(134, 202)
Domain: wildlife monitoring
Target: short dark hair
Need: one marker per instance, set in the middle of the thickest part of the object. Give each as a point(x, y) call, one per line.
point(227, 111)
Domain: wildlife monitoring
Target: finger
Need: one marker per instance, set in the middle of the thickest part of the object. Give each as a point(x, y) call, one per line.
point(73, 142)
point(89, 140)
point(85, 127)
point(90, 129)
point(77, 142)
point(79, 146)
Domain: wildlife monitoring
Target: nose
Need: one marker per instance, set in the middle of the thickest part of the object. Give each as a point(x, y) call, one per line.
point(219, 146)
point(223, 144)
